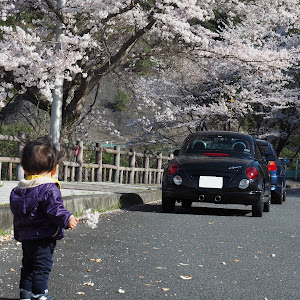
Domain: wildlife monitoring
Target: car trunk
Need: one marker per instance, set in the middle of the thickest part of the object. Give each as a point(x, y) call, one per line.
point(213, 165)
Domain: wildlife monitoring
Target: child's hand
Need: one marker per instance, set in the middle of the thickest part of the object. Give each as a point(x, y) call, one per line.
point(73, 222)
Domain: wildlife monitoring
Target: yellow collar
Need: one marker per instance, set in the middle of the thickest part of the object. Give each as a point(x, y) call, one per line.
point(30, 177)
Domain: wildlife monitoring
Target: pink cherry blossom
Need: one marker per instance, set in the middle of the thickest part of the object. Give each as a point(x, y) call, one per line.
point(248, 60)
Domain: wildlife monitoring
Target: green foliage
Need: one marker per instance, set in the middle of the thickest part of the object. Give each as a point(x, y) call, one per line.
point(218, 22)
point(147, 5)
point(294, 31)
point(292, 149)
point(9, 22)
point(144, 66)
point(153, 149)
point(249, 121)
point(164, 148)
point(9, 148)
point(145, 63)
point(107, 158)
point(122, 100)
point(5, 232)
point(288, 153)
point(113, 207)
point(14, 129)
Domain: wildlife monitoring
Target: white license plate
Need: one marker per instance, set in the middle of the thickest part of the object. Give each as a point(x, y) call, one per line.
point(212, 182)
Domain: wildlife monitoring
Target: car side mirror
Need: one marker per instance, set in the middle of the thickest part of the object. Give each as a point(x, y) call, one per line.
point(270, 157)
point(176, 152)
point(285, 161)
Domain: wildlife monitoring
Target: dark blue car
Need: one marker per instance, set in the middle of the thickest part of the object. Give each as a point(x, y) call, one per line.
point(277, 171)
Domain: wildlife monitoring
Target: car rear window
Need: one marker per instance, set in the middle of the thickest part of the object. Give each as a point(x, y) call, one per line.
point(266, 148)
point(230, 144)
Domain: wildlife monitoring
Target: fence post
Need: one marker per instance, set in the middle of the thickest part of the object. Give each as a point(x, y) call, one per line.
point(296, 175)
point(159, 165)
point(117, 158)
point(20, 171)
point(79, 160)
point(146, 166)
point(10, 171)
point(99, 155)
point(65, 173)
point(132, 166)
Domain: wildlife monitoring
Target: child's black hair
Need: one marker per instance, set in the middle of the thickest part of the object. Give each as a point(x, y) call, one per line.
point(40, 156)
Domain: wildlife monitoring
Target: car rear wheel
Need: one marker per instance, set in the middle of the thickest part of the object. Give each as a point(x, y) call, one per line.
point(258, 208)
point(278, 198)
point(284, 194)
point(267, 205)
point(168, 205)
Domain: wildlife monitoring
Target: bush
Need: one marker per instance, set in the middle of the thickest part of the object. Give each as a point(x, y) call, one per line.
point(122, 100)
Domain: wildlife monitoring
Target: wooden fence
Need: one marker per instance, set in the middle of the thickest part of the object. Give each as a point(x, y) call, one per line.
point(141, 168)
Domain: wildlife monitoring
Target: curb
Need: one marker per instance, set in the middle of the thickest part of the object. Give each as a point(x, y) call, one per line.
point(78, 204)
point(292, 186)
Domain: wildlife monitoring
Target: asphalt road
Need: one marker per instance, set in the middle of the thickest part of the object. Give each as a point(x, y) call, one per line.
point(198, 253)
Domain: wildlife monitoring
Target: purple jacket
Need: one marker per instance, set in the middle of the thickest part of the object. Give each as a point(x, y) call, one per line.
point(38, 210)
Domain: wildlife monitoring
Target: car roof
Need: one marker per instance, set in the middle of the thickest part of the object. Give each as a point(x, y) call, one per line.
point(263, 142)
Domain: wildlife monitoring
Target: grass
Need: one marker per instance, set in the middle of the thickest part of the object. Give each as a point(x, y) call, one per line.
point(110, 208)
point(113, 207)
point(5, 232)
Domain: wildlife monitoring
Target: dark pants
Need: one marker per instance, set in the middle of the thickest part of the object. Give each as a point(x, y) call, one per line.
point(36, 265)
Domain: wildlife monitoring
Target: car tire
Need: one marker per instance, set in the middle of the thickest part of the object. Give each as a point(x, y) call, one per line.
point(186, 204)
point(168, 205)
point(267, 205)
point(277, 199)
point(284, 194)
point(258, 208)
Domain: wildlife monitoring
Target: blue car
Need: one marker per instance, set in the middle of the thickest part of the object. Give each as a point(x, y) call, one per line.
point(277, 171)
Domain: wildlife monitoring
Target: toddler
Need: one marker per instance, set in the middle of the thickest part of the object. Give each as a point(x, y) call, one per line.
point(39, 216)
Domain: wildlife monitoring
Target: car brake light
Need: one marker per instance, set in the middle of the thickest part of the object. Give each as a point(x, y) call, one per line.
point(216, 154)
point(252, 173)
point(172, 169)
point(272, 166)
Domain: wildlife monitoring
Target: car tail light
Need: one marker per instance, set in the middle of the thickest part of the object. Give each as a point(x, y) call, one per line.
point(216, 154)
point(252, 172)
point(172, 169)
point(272, 166)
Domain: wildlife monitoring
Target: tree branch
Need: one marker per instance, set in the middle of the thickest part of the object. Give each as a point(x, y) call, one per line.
point(110, 16)
point(91, 106)
point(123, 50)
point(59, 15)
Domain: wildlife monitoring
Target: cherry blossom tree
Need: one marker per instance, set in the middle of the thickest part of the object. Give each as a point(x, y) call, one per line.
point(270, 89)
point(240, 63)
point(98, 36)
point(245, 72)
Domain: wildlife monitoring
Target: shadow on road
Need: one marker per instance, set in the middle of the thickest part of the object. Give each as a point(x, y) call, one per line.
point(293, 192)
point(129, 199)
point(215, 211)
